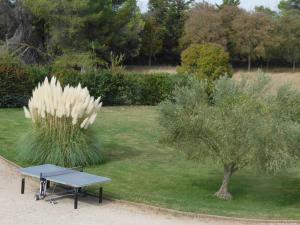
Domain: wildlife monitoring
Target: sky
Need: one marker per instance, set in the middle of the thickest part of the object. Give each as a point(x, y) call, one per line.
point(246, 4)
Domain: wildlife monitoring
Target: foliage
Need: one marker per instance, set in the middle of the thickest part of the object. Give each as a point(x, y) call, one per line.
point(252, 32)
point(231, 2)
point(168, 16)
point(116, 63)
point(6, 18)
point(60, 118)
point(287, 5)
point(247, 36)
point(15, 86)
point(210, 24)
point(83, 62)
point(116, 88)
point(204, 25)
point(151, 38)
point(241, 124)
point(7, 57)
point(266, 10)
point(208, 61)
point(83, 26)
point(289, 25)
point(124, 89)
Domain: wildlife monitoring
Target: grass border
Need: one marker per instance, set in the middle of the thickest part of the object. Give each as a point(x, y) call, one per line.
point(177, 212)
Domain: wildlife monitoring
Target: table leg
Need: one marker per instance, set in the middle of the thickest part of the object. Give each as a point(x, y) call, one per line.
point(23, 186)
point(75, 198)
point(100, 194)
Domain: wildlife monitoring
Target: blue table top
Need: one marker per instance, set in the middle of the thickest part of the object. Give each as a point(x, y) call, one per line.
point(63, 175)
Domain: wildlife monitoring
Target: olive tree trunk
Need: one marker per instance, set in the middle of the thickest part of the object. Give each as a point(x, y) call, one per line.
point(223, 192)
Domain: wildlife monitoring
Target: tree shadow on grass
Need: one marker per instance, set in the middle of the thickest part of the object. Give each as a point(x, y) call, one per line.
point(115, 152)
point(276, 190)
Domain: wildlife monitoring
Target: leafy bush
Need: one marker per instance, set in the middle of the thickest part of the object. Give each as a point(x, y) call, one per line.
point(124, 88)
point(207, 61)
point(241, 124)
point(154, 89)
point(115, 88)
point(15, 86)
point(61, 117)
point(17, 82)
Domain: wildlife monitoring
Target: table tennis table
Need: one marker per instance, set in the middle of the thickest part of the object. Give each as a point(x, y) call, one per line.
point(69, 177)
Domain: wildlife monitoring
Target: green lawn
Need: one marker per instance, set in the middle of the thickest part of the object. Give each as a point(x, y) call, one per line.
point(145, 171)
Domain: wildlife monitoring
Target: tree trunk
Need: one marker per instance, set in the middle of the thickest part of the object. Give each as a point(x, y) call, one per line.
point(150, 61)
point(268, 63)
point(223, 192)
point(249, 63)
point(28, 38)
point(294, 64)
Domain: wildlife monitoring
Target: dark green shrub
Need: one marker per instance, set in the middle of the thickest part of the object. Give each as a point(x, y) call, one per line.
point(114, 88)
point(124, 89)
point(17, 82)
point(15, 86)
point(154, 89)
point(207, 61)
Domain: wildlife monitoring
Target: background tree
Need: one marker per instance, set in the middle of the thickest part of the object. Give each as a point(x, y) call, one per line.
point(290, 37)
point(208, 24)
point(170, 16)
point(272, 47)
point(229, 3)
point(289, 30)
point(83, 26)
point(7, 20)
point(204, 25)
point(38, 31)
point(266, 10)
point(286, 5)
point(23, 33)
point(151, 39)
point(228, 14)
point(252, 32)
point(236, 126)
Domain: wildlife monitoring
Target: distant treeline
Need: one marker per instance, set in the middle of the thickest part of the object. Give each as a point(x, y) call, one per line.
point(88, 33)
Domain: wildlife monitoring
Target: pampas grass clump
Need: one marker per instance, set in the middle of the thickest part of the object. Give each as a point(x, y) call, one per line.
point(61, 118)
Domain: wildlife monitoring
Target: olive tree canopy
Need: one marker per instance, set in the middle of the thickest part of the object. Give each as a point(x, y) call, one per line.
point(241, 124)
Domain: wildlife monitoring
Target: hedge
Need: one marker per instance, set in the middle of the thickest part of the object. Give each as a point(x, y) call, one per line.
point(16, 84)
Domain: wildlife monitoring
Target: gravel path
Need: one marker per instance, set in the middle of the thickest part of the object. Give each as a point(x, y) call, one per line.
point(20, 209)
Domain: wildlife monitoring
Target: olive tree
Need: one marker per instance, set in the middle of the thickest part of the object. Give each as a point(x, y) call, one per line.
point(240, 124)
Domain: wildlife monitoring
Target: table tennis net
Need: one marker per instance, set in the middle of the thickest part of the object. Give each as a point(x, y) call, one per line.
point(61, 172)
